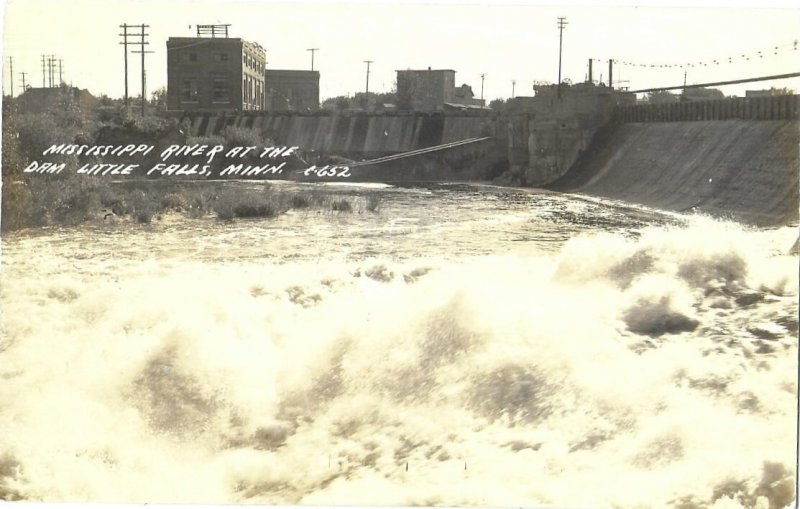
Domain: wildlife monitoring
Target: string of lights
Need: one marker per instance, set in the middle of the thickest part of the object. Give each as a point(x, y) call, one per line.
point(744, 57)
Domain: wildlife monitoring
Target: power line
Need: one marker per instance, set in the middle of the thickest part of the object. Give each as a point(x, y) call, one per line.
point(714, 62)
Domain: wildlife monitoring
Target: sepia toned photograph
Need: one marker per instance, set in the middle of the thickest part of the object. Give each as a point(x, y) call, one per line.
point(445, 253)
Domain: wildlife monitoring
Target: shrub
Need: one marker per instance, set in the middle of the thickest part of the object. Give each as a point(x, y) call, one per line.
point(241, 137)
point(373, 202)
point(341, 206)
point(174, 201)
point(300, 201)
point(247, 204)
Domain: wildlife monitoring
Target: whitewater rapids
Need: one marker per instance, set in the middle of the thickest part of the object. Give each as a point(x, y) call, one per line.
point(458, 347)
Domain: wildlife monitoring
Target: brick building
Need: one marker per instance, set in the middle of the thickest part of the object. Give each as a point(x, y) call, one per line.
point(425, 89)
point(215, 73)
point(431, 89)
point(291, 90)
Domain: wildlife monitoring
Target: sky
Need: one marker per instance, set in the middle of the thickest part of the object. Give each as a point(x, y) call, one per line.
point(506, 42)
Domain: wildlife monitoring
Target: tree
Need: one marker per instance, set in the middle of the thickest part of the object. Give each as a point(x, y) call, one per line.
point(159, 99)
point(703, 93)
point(340, 102)
point(661, 97)
point(497, 104)
point(781, 91)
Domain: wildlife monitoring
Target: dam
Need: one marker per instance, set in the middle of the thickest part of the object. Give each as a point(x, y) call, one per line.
point(734, 157)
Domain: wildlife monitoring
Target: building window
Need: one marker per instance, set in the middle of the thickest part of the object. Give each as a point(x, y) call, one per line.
point(221, 57)
point(191, 57)
point(189, 90)
point(219, 92)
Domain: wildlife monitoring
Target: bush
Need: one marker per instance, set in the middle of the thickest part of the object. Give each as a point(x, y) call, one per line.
point(373, 202)
point(342, 206)
point(247, 204)
point(174, 201)
point(300, 201)
point(242, 137)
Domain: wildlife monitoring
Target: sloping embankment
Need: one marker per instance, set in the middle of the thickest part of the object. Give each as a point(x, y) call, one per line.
point(747, 170)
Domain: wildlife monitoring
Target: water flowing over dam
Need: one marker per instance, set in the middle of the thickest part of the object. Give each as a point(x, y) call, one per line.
point(743, 169)
point(734, 158)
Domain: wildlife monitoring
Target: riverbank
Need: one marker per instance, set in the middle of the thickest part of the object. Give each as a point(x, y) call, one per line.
point(77, 200)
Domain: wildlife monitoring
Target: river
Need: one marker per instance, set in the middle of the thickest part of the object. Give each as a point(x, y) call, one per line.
point(460, 345)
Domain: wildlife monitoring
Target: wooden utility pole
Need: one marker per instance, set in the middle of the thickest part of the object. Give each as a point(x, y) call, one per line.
point(24, 85)
point(366, 93)
point(11, 69)
point(43, 82)
point(142, 44)
point(562, 22)
point(124, 43)
point(483, 76)
point(51, 60)
point(312, 50)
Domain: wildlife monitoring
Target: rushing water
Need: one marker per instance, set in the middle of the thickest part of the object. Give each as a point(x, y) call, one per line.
point(462, 345)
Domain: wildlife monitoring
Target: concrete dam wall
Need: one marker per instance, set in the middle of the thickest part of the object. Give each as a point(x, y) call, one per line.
point(747, 170)
point(359, 135)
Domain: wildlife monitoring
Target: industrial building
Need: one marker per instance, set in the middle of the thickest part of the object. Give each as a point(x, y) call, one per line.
point(215, 72)
point(431, 90)
point(292, 90)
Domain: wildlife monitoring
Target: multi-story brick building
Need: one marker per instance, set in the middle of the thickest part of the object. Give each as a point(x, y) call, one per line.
point(425, 89)
point(215, 73)
point(291, 90)
point(432, 89)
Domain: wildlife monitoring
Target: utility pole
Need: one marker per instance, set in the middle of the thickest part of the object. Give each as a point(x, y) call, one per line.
point(60, 79)
point(611, 73)
point(684, 82)
point(142, 44)
point(11, 65)
point(366, 94)
point(50, 64)
point(312, 50)
point(42, 71)
point(24, 85)
point(513, 84)
point(590, 70)
point(483, 76)
point(562, 22)
point(53, 71)
point(125, 43)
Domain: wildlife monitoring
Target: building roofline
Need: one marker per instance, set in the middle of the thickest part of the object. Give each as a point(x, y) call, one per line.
point(424, 70)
